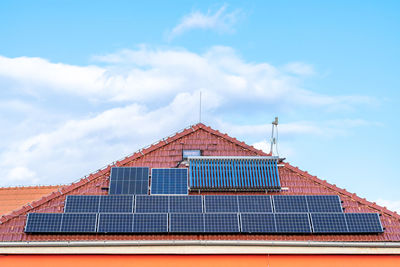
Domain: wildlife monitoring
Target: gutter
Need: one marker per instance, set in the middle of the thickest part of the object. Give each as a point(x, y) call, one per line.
point(199, 247)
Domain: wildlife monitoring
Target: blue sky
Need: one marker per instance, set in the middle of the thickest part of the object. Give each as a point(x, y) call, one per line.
point(84, 83)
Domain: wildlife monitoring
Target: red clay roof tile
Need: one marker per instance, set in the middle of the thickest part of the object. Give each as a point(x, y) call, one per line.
point(12, 198)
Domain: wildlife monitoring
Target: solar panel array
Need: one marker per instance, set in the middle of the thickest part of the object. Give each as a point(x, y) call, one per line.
point(203, 214)
point(212, 203)
point(245, 173)
point(267, 223)
point(172, 181)
point(129, 181)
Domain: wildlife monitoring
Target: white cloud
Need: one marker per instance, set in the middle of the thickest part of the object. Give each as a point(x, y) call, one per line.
point(299, 68)
point(22, 175)
point(140, 96)
point(393, 205)
point(78, 146)
point(37, 74)
point(148, 75)
point(263, 145)
point(220, 21)
point(284, 149)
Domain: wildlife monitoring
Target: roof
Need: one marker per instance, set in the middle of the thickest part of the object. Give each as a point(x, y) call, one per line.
point(12, 198)
point(167, 153)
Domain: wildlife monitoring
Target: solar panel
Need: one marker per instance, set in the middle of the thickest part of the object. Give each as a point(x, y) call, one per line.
point(363, 223)
point(328, 223)
point(186, 223)
point(221, 203)
point(234, 173)
point(257, 223)
point(116, 203)
point(221, 222)
point(115, 223)
point(129, 181)
point(150, 223)
point(171, 181)
point(184, 204)
point(151, 204)
point(43, 223)
point(290, 203)
point(79, 222)
point(82, 204)
point(292, 223)
point(255, 204)
point(324, 204)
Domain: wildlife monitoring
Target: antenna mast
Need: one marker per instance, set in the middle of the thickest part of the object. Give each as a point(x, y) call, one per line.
point(274, 139)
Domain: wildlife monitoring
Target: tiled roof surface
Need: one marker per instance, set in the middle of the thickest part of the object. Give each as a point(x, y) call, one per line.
point(167, 153)
point(12, 198)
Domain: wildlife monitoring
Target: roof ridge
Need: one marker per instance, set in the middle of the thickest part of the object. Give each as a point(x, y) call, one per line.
point(139, 153)
point(31, 187)
point(343, 191)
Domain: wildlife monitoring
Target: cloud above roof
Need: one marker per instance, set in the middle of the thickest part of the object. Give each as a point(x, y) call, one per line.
point(221, 21)
point(62, 121)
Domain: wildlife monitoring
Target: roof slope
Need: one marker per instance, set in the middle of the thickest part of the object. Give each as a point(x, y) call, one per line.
point(167, 153)
point(12, 198)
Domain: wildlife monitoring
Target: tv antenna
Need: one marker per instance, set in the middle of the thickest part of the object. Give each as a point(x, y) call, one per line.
point(274, 137)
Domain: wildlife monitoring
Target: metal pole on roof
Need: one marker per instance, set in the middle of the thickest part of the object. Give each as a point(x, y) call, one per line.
point(273, 138)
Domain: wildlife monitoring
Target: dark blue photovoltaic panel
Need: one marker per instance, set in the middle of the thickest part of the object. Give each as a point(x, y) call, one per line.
point(186, 223)
point(82, 204)
point(171, 181)
point(185, 204)
point(116, 203)
point(221, 203)
point(255, 204)
point(151, 204)
point(129, 181)
point(43, 223)
point(328, 223)
point(363, 223)
point(150, 223)
point(290, 204)
point(292, 223)
point(115, 223)
point(221, 222)
point(324, 204)
point(79, 222)
point(257, 223)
